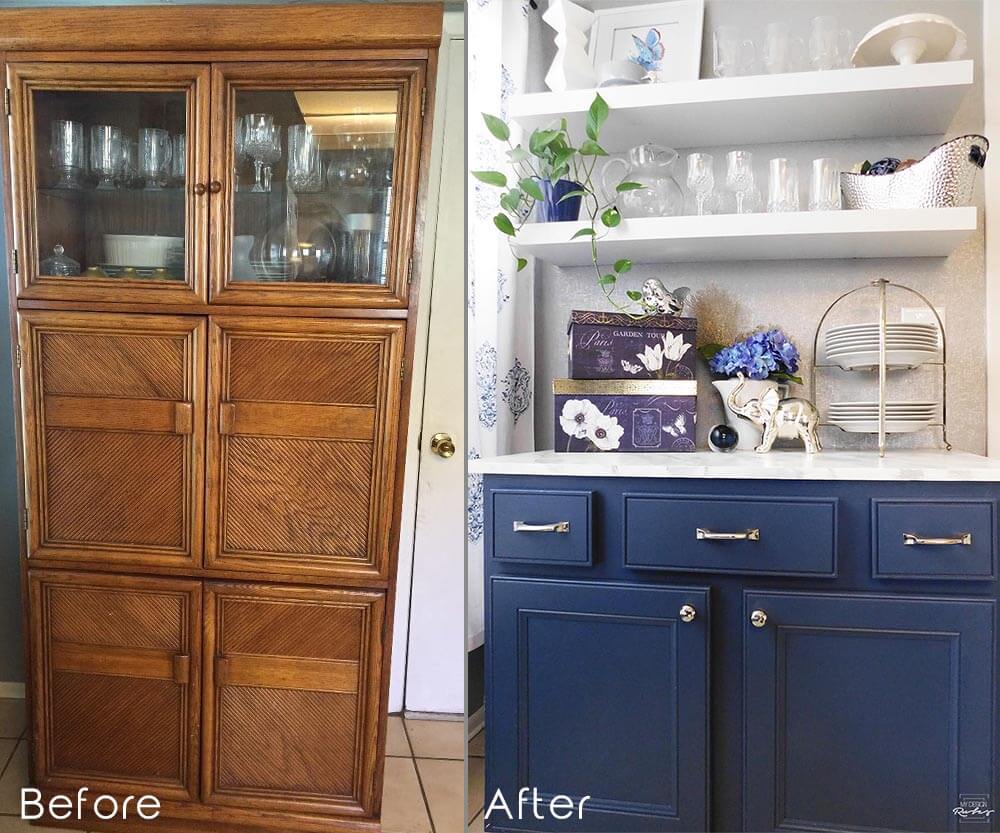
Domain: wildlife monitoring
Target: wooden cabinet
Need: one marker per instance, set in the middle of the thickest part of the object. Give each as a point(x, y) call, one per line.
point(291, 697)
point(115, 666)
point(114, 407)
point(212, 276)
point(302, 440)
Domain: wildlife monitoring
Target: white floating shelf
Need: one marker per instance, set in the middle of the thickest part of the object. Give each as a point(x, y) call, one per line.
point(807, 235)
point(804, 106)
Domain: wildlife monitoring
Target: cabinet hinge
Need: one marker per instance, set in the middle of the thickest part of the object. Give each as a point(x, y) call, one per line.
point(15, 261)
point(409, 270)
point(25, 517)
point(6, 100)
point(17, 356)
point(423, 101)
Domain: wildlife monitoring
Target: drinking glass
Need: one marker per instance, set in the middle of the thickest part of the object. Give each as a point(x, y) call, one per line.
point(783, 186)
point(824, 187)
point(271, 155)
point(154, 156)
point(781, 51)
point(66, 152)
point(260, 134)
point(732, 53)
point(700, 178)
point(239, 149)
point(105, 153)
point(740, 179)
point(127, 169)
point(178, 159)
point(829, 45)
point(305, 173)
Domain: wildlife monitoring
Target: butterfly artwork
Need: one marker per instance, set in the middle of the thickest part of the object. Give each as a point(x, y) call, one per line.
point(649, 51)
point(679, 426)
point(630, 368)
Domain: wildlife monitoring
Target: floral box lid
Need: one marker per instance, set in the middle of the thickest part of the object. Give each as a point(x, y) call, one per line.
point(620, 319)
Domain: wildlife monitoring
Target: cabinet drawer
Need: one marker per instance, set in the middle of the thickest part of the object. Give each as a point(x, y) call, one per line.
point(542, 527)
point(734, 534)
point(940, 539)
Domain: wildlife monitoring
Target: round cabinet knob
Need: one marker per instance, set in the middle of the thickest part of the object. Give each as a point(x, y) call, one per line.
point(214, 186)
point(758, 618)
point(687, 613)
point(199, 189)
point(443, 445)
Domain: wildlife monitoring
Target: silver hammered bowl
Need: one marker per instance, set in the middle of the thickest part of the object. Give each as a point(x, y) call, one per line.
point(944, 178)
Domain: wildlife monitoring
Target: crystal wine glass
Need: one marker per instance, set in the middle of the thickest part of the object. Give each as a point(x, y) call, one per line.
point(259, 144)
point(740, 178)
point(105, 153)
point(700, 178)
point(66, 152)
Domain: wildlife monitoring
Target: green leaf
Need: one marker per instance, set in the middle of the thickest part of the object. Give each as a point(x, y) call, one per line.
point(521, 263)
point(518, 154)
point(607, 280)
point(502, 222)
point(531, 188)
point(497, 126)
point(781, 376)
point(622, 266)
point(491, 178)
point(629, 186)
point(596, 117)
point(611, 217)
point(541, 139)
point(634, 294)
point(708, 351)
point(511, 201)
point(584, 232)
point(590, 148)
point(570, 194)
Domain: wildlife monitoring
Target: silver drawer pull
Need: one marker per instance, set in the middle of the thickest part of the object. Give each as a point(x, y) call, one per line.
point(708, 535)
point(910, 540)
point(558, 526)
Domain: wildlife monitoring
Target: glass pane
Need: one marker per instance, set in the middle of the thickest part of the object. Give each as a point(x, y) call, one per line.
point(110, 173)
point(313, 177)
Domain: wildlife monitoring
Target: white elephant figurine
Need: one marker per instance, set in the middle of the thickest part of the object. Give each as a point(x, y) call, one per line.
point(790, 417)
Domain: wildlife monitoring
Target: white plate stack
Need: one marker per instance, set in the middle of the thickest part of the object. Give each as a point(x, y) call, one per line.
point(856, 346)
point(900, 417)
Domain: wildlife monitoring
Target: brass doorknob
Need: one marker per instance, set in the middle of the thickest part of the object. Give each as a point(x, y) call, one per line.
point(687, 613)
point(214, 186)
point(443, 445)
point(199, 189)
point(758, 618)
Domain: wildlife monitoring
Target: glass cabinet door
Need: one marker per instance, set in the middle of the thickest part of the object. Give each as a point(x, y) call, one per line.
point(319, 180)
point(109, 180)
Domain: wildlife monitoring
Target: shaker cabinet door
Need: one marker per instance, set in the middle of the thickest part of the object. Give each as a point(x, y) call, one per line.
point(598, 690)
point(302, 435)
point(866, 712)
point(292, 698)
point(110, 164)
point(114, 409)
point(115, 675)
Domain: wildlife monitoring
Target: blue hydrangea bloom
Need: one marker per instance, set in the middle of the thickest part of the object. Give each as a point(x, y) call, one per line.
point(758, 356)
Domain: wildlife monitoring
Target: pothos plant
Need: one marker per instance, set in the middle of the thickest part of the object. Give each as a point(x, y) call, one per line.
point(551, 156)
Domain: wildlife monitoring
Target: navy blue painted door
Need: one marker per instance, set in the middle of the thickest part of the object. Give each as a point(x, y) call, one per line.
point(866, 712)
point(599, 690)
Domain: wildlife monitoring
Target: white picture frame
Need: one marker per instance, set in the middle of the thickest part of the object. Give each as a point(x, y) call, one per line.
point(679, 26)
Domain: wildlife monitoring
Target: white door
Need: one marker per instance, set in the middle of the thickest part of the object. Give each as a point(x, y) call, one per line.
point(435, 646)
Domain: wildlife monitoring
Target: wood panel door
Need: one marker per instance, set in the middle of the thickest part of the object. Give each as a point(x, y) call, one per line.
point(114, 414)
point(116, 683)
point(292, 694)
point(110, 167)
point(329, 220)
point(302, 435)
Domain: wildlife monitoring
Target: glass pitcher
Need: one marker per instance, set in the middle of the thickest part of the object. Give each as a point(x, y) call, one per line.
point(651, 166)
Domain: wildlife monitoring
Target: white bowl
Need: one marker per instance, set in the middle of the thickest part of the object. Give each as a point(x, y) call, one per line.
point(140, 250)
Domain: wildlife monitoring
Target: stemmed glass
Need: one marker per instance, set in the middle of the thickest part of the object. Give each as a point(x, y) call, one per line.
point(66, 152)
point(700, 178)
point(105, 154)
point(262, 144)
point(740, 178)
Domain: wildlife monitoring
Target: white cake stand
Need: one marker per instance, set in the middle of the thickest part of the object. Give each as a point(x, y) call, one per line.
point(911, 39)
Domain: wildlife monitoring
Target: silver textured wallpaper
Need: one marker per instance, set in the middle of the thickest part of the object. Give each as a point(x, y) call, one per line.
point(734, 297)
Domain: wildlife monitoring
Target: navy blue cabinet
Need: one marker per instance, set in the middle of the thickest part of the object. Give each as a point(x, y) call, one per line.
point(589, 679)
point(865, 712)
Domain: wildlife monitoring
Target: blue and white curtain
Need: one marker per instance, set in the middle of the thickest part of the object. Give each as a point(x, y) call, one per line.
point(500, 314)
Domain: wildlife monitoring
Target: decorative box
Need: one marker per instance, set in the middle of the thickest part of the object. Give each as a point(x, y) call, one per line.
point(611, 345)
point(625, 415)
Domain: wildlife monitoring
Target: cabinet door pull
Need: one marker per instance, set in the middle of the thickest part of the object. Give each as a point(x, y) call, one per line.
point(911, 540)
point(708, 535)
point(182, 669)
point(558, 526)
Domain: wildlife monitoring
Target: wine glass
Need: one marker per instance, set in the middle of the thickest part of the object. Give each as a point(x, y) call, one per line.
point(271, 154)
point(155, 153)
point(259, 145)
point(740, 178)
point(700, 178)
point(105, 154)
point(66, 152)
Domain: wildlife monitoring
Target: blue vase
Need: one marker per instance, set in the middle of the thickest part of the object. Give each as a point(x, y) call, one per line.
point(550, 210)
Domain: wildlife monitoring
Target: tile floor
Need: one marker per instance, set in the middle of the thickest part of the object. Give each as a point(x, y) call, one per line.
point(424, 775)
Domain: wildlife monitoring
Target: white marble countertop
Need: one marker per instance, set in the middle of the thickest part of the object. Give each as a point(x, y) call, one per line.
point(747, 465)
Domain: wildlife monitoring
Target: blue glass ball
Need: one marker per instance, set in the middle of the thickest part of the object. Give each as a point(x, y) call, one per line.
point(723, 438)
